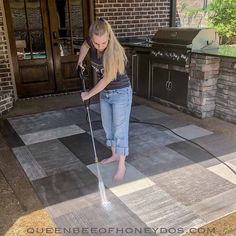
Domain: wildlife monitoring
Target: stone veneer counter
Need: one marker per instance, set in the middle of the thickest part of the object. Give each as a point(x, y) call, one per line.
point(213, 83)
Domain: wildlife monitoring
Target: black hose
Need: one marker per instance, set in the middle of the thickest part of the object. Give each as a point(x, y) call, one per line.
point(148, 123)
point(196, 144)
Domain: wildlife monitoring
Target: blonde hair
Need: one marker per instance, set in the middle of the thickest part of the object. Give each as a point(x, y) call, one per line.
point(114, 58)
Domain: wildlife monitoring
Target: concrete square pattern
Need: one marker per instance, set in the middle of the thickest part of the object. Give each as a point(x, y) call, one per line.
point(171, 184)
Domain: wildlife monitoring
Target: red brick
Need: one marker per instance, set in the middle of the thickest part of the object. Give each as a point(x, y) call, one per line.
point(102, 1)
point(117, 5)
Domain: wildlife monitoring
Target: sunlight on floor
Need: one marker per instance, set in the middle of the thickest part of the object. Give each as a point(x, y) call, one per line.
point(35, 224)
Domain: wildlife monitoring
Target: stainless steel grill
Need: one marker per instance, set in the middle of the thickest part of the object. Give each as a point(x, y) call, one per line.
point(165, 61)
point(176, 44)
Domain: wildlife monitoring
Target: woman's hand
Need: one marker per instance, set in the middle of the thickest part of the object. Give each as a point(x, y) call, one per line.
point(85, 96)
point(80, 66)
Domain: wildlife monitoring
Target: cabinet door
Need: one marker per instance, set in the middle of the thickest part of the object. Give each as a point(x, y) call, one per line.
point(169, 85)
point(179, 87)
point(160, 77)
point(143, 75)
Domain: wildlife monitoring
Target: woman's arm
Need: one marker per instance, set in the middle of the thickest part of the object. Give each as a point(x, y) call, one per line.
point(95, 90)
point(82, 53)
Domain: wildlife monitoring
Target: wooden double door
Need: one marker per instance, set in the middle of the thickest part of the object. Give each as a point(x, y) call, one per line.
point(45, 39)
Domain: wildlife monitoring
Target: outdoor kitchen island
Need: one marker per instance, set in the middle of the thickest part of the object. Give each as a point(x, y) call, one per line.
point(191, 73)
point(216, 70)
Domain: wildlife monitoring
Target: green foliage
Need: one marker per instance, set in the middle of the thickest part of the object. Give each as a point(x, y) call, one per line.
point(222, 16)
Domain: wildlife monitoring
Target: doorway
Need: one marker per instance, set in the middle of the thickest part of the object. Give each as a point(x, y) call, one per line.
point(45, 38)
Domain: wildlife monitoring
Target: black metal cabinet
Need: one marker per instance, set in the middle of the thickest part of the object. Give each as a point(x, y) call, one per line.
point(141, 73)
point(169, 84)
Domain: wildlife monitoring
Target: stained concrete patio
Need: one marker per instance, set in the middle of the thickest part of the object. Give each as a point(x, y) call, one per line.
point(170, 183)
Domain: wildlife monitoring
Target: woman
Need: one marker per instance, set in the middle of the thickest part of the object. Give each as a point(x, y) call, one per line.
point(108, 59)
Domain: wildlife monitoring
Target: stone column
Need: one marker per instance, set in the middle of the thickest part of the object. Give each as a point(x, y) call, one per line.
point(226, 90)
point(202, 86)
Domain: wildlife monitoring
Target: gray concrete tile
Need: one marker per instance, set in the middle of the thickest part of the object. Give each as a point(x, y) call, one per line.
point(50, 134)
point(142, 138)
point(100, 136)
point(190, 131)
point(54, 157)
point(133, 180)
point(158, 160)
point(218, 145)
point(71, 205)
point(96, 220)
point(65, 186)
point(38, 122)
point(144, 113)
point(78, 115)
point(166, 122)
point(50, 120)
point(225, 170)
point(158, 209)
point(10, 135)
point(136, 129)
point(191, 184)
point(194, 153)
point(95, 107)
point(96, 125)
point(81, 146)
point(216, 207)
point(31, 167)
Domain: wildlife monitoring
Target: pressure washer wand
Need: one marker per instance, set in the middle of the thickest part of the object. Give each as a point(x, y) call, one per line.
point(81, 76)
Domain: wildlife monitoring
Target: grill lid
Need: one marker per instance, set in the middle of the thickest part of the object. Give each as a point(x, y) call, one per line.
point(194, 38)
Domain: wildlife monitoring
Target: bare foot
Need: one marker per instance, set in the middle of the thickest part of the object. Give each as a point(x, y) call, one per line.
point(110, 159)
point(119, 175)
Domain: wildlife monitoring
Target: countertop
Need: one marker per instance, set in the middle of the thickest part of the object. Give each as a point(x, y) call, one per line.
point(135, 42)
point(222, 51)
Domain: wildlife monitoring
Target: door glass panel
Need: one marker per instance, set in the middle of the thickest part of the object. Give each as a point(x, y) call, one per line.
point(18, 15)
point(70, 26)
point(34, 14)
point(28, 29)
point(38, 46)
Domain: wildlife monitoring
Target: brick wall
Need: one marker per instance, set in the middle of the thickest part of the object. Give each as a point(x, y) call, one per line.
point(6, 84)
point(134, 18)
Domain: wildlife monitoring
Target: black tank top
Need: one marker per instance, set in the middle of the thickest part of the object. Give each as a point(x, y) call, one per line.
point(121, 81)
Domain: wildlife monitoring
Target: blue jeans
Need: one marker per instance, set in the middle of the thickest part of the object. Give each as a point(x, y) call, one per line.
point(115, 111)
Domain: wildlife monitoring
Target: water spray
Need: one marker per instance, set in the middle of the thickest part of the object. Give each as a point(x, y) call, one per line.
point(105, 203)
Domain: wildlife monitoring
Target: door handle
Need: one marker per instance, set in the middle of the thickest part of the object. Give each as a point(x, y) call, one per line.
point(54, 34)
point(169, 85)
